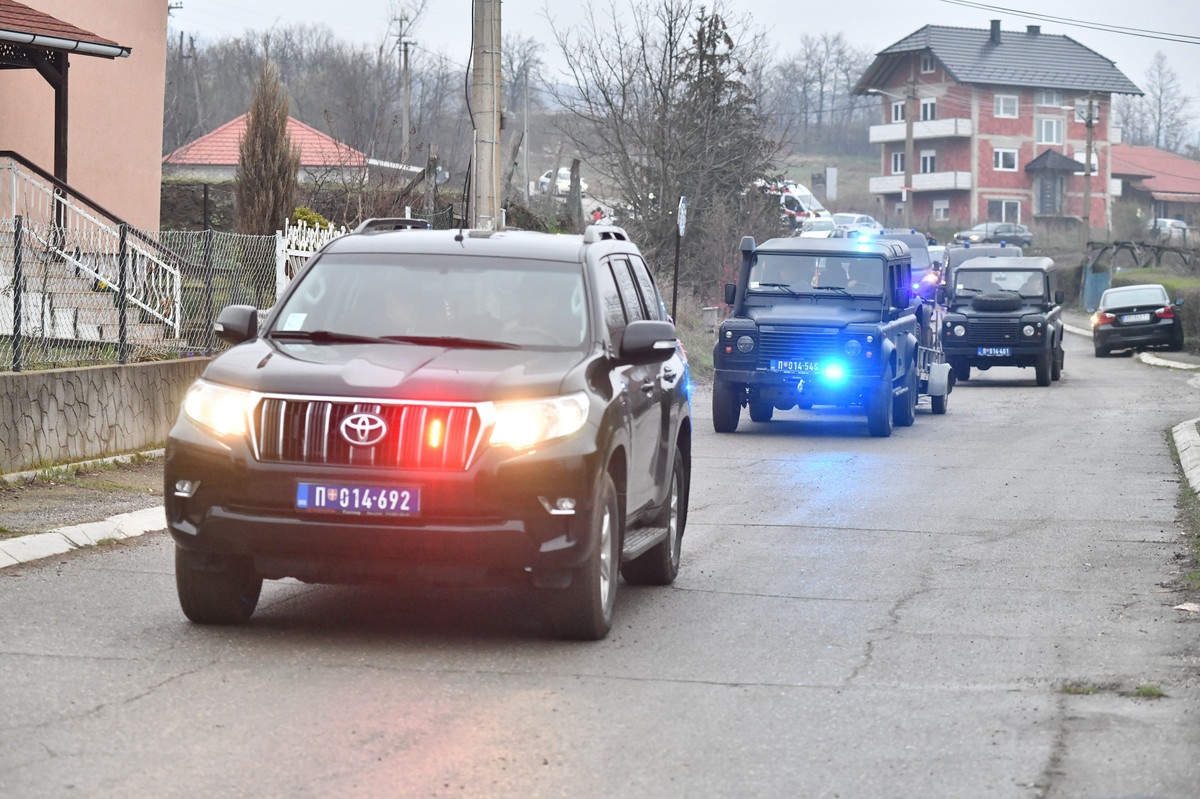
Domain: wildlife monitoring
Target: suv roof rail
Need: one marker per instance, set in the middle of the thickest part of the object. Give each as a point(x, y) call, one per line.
point(391, 223)
point(595, 233)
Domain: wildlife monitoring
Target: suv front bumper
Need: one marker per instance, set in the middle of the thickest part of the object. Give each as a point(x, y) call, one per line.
point(788, 389)
point(489, 518)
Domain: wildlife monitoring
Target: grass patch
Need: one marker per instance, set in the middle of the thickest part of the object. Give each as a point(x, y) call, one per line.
point(1149, 692)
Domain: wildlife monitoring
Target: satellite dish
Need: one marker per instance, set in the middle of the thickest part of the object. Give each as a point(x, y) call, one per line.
point(441, 176)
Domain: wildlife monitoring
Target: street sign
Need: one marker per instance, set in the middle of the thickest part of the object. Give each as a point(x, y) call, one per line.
point(682, 215)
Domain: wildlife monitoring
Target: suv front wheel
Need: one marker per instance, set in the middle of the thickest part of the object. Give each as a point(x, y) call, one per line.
point(727, 406)
point(585, 611)
point(214, 589)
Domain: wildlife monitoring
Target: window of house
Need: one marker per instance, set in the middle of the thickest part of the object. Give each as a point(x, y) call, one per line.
point(941, 210)
point(1006, 106)
point(1049, 97)
point(1081, 107)
point(928, 109)
point(927, 62)
point(928, 161)
point(898, 111)
point(897, 163)
point(1050, 131)
point(1004, 160)
point(1004, 211)
point(1081, 156)
point(899, 208)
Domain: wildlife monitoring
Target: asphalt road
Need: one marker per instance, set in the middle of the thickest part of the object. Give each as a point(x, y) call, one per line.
point(965, 609)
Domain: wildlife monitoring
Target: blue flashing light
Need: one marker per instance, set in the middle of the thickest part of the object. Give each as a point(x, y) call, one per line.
point(916, 286)
point(834, 372)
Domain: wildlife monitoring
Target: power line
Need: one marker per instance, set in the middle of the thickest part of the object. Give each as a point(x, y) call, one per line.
point(1143, 33)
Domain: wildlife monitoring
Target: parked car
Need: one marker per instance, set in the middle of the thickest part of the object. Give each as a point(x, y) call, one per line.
point(995, 233)
point(820, 227)
point(1168, 231)
point(563, 184)
point(440, 404)
point(1138, 317)
point(856, 221)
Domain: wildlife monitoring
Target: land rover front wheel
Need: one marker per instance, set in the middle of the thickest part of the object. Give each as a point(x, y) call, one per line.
point(904, 409)
point(1041, 369)
point(727, 406)
point(879, 408)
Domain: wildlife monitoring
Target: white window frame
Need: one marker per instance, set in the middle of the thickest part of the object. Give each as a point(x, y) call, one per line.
point(1048, 97)
point(927, 63)
point(928, 109)
point(1000, 107)
point(898, 163)
point(1049, 124)
point(928, 161)
point(898, 111)
point(1081, 110)
point(998, 159)
point(941, 210)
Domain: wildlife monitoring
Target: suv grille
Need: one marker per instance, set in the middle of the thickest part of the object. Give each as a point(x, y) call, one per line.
point(794, 343)
point(987, 332)
point(297, 430)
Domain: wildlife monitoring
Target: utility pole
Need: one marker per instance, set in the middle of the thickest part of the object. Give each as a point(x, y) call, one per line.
point(1087, 173)
point(910, 94)
point(405, 88)
point(525, 135)
point(485, 116)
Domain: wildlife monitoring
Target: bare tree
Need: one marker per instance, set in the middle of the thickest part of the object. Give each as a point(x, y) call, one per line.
point(268, 167)
point(1162, 116)
point(666, 109)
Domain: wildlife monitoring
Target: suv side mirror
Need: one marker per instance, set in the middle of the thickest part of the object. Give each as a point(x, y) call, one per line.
point(940, 296)
point(730, 293)
point(901, 297)
point(647, 341)
point(1059, 297)
point(237, 323)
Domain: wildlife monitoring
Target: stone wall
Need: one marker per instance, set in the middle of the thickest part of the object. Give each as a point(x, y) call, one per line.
point(67, 415)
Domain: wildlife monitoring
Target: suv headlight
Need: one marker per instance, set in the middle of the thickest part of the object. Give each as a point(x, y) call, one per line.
point(221, 409)
point(523, 424)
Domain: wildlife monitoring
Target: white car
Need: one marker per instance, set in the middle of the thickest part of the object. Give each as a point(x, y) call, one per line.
point(562, 185)
point(820, 227)
point(856, 221)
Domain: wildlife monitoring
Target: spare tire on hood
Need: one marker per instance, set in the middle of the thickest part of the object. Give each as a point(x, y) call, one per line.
point(997, 301)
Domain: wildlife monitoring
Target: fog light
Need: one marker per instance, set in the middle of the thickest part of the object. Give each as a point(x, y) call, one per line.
point(186, 489)
point(562, 506)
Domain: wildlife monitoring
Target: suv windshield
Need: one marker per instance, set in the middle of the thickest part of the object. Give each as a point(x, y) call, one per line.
point(1026, 282)
point(783, 273)
point(452, 301)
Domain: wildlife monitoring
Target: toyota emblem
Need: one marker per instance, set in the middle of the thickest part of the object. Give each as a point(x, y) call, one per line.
point(363, 429)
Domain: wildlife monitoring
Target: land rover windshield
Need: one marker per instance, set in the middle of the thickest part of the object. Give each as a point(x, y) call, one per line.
point(1029, 283)
point(783, 274)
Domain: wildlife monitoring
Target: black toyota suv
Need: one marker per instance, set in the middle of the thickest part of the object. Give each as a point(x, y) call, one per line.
point(1003, 311)
point(440, 404)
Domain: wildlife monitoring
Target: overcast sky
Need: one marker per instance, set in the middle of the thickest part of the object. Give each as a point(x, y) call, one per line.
point(445, 27)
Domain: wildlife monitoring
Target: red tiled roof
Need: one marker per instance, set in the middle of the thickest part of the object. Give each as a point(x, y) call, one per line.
point(220, 148)
point(19, 18)
point(1162, 172)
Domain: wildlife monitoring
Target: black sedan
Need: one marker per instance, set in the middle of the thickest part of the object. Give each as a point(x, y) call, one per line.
point(1137, 317)
point(995, 233)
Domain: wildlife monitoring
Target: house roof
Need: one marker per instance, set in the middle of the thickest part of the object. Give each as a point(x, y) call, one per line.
point(1026, 58)
point(1054, 161)
point(22, 25)
point(220, 148)
point(1167, 176)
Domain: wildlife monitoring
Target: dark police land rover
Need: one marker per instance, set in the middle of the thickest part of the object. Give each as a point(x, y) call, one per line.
point(1004, 311)
point(820, 322)
point(449, 404)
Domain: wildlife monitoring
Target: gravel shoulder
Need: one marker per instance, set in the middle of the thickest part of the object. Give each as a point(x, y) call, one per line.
point(88, 494)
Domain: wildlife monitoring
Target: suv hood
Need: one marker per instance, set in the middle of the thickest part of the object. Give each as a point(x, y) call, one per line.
point(837, 314)
point(394, 371)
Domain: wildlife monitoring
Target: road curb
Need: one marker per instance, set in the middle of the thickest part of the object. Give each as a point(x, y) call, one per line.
point(22, 549)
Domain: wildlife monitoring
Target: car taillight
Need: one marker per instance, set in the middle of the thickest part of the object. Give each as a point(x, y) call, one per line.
point(1165, 313)
point(1103, 318)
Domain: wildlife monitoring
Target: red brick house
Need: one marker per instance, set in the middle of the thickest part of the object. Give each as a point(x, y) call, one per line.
point(997, 124)
point(1164, 184)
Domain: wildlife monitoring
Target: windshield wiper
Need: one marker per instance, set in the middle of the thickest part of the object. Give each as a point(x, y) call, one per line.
point(454, 341)
point(325, 337)
point(839, 289)
point(785, 286)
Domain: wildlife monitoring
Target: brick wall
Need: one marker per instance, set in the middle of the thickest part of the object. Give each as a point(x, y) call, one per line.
point(68, 415)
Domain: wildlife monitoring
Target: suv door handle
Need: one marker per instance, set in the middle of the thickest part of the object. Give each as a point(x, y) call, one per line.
point(648, 387)
point(668, 373)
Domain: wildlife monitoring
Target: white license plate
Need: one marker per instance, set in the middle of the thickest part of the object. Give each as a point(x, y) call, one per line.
point(797, 367)
point(326, 498)
point(995, 352)
point(1132, 318)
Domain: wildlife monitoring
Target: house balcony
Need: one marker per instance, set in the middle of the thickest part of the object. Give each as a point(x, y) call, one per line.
point(932, 129)
point(926, 181)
